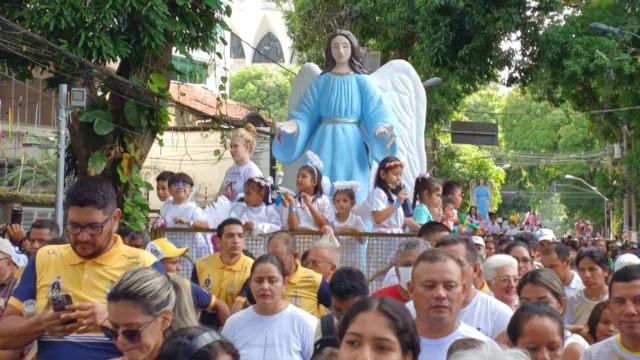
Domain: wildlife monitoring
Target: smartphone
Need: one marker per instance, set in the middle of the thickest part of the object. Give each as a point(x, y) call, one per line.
point(59, 303)
point(16, 216)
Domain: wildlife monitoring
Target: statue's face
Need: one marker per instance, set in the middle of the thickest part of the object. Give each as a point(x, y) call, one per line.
point(341, 50)
point(481, 181)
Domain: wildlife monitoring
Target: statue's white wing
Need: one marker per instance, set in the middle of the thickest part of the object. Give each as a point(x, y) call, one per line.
point(404, 92)
point(218, 211)
point(308, 72)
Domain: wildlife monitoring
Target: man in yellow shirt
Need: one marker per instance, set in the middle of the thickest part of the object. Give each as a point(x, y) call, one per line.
point(225, 274)
point(305, 288)
point(85, 270)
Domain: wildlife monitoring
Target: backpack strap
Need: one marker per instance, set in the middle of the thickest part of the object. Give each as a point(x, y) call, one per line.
point(328, 325)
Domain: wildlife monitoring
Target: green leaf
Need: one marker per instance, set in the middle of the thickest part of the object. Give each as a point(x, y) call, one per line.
point(97, 163)
point(227, 10)
point(123, 178)
point(143, 119)
point(103, 127)
point(224, 79)
point(131, 113)
point(92, 115)
point(216, 153)
point(159, 80)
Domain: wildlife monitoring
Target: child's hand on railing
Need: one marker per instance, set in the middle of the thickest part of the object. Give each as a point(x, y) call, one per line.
point(326, 230)
point(158, 223)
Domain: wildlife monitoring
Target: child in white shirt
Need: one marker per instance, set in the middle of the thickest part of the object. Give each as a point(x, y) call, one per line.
point(184, 213)
point(351, 248)
point(310, 209)
point(256, 212)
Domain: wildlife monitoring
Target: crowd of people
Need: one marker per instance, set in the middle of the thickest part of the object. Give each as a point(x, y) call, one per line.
point(455, 290)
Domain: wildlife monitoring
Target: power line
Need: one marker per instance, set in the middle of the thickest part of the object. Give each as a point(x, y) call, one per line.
point(266, 57)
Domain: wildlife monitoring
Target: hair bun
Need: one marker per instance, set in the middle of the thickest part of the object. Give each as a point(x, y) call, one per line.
point(251, 129)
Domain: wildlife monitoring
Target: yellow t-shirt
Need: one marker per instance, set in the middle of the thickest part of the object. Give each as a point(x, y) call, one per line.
point(228, 283)
point(58, 269)
point(307, 290)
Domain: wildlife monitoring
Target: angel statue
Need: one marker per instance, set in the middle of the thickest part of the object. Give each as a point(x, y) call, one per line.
point(350, 119)
point(481, 197)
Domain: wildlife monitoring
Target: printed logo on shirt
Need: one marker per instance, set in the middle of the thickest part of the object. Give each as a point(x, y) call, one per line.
point(51, 252)
point(56, 286)
point(133, 259)
point(295, 300)
point(207, 283)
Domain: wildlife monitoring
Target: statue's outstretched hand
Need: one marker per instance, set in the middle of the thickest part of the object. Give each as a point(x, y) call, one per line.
point(384, 130)
point(288, 127)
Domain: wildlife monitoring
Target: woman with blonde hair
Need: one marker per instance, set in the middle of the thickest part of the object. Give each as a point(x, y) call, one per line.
point(243, 143)
point(144, 307)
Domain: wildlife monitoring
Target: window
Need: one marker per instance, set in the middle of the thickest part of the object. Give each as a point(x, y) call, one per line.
point(237, 51)
point(190, 71)
point(269, 46)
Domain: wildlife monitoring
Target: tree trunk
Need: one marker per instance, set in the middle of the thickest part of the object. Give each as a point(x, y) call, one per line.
point(85, 141)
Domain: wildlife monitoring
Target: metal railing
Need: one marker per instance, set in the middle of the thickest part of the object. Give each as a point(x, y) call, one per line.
point(371, 252)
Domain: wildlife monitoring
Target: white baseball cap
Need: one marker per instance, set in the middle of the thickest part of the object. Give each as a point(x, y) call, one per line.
point(7, 249)
point(625, 260)
point(477, 240)
point(546, 235)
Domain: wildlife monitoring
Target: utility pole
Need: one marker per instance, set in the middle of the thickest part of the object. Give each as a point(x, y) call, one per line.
point(62, 145)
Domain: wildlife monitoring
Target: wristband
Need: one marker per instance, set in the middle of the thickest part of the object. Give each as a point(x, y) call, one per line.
point(191, 223)
point(397, 204)
point(292, 210)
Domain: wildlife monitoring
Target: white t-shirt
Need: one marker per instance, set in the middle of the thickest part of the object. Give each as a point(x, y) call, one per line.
point(351, 249)
point(378, 200)
point(198, 245)
point(574, 286)
point(609, 349)
point(436, 349)
point(265, 219)
point(484, 313)
point(570, 338)
point(322, 204)
point(235, 177)
point(579, 308)
point(286, 335)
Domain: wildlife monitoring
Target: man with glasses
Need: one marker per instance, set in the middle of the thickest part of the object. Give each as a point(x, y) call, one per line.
point(8, 268)
point(304, 288)
point(323, 258)
point(85, 270)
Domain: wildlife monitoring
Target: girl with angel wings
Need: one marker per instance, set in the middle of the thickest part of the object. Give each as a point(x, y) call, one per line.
point(351, 119)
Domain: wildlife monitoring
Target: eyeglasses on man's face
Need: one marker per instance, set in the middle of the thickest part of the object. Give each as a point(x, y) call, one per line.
point(91, 229)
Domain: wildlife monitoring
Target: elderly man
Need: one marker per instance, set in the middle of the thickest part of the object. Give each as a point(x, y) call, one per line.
point(437, 285)
point(304, 288)
point(323, 258)
point(406, 255)
point(501, 274)
point(8, 269)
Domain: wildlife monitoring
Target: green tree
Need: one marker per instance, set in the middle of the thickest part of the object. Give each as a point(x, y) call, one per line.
point(265, 87)
point(464, 163)
point(114, 135)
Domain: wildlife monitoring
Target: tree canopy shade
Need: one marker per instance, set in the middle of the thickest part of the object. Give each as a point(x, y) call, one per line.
point(114, 134)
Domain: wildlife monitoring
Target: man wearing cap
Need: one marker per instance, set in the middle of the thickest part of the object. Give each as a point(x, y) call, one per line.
point(8, 267)
point(545, 238)
point(169, 256)
point(478, 279)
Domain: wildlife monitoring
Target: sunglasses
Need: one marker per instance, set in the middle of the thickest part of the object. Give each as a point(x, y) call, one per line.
point(180, 186)
point(132, 336)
